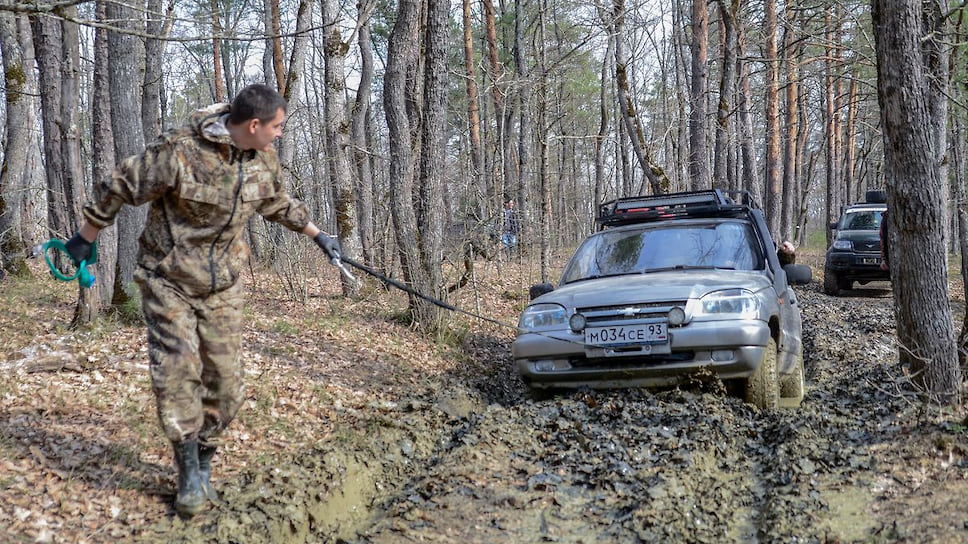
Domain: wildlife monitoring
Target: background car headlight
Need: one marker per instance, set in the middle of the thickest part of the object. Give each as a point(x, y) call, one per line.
point(843, 244)
point(542, 316)
point(729, 303)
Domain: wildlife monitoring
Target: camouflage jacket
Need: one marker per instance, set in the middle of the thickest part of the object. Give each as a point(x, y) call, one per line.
point(202, 191)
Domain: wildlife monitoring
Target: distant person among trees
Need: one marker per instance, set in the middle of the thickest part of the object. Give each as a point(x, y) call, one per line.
point(203, 182)
point(512, 227)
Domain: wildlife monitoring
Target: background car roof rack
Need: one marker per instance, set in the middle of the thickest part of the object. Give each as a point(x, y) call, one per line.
point(662, 207)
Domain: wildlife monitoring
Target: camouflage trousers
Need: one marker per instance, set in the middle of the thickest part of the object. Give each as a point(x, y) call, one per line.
point(194, 348)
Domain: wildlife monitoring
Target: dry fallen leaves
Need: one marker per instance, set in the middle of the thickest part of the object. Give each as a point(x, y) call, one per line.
point(83, 459)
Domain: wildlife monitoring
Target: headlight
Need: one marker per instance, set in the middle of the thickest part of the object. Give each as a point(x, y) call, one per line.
point(843, 244)
point(729, 303)
point(542, 316)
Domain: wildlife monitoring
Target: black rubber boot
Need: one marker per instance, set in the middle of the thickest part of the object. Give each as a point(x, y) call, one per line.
point(191, 497)
point(205, 454)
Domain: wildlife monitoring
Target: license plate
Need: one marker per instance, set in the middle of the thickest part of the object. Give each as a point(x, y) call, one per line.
point(628, 335)
point(870, 260)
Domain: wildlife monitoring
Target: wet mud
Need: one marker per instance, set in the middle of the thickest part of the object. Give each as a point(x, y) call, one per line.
point(471, 457)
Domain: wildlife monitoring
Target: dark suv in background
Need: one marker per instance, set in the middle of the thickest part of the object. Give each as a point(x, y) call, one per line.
point(855, 254)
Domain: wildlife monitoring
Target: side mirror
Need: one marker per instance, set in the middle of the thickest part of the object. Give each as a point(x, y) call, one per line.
point(833, 225)
point(798, 274)
point(540, 289)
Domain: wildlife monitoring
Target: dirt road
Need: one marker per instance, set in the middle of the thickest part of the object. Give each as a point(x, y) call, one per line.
point(368, 446)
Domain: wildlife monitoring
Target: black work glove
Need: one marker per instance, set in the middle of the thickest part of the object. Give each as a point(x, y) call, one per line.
point(329, 244)
point(79, 249)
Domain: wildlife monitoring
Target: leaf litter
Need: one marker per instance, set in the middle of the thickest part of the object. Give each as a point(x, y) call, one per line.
point(357, 429)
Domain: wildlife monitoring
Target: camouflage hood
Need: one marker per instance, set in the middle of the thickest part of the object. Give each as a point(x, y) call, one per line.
point(210, 123)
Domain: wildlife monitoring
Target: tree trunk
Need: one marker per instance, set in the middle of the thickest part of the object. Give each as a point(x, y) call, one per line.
point(722, 177)
point(771, 101)
point(56, 44)
point(218, 89)
point(103, 159)
point(401, 59)
point(430, 203)
point(361, 155)
point(834, 201)
point(275, 31)
point(542, 135)
point(791, 121)
point(337, 140)
point(600, 138)
point(125, 83)
point(524, 119)
point(751, 178)
point(850, 151)
point(908, 69)
point(19, 118)
point(473, 109)
point(497, 95)
point(297, 59)
point(656, 176)
point(156, 25)
point(698, 86)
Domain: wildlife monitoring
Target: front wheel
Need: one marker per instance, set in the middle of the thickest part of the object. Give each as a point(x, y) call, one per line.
point(762, 387)
point(831, 282)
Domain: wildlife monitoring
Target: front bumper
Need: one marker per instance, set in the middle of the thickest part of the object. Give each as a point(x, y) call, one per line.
point(857, 266)
point(732, 349)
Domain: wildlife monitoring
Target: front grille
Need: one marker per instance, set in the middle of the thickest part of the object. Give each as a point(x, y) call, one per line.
point(872, 246)
point(645, 360)
point(628, 312)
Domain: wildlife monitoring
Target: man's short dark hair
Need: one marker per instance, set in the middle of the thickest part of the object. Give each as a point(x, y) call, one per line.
point(256, 101)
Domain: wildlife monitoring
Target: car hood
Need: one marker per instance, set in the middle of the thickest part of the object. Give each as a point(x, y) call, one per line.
point(653, 287)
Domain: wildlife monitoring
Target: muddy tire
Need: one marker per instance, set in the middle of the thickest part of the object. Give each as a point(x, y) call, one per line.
point(792, 386)
point(762, 388)
point(831, 283)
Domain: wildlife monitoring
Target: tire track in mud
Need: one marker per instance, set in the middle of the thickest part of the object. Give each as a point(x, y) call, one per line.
point(678, 465)
point(475, 460)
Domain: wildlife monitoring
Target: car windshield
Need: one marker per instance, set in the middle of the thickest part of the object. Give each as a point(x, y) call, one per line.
point(652, 249)
point(862, 220)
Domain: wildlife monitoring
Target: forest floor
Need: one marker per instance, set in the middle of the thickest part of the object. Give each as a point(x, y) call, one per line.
point(356, 429)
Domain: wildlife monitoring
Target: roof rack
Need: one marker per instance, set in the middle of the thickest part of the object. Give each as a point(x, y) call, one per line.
point(662, 207)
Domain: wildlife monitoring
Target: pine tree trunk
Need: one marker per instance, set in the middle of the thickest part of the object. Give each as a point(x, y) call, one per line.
point(909, 94)
point(771, 102)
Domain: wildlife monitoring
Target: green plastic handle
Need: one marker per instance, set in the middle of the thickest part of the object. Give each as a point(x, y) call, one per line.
point(82, 275)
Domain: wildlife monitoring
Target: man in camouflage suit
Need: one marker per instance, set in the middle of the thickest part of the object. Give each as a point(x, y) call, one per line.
point(204, 181)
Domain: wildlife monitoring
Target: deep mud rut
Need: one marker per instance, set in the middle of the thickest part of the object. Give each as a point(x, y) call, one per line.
point(471, 458)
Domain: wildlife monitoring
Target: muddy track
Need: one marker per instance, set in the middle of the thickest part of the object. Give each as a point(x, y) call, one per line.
point(472, 459)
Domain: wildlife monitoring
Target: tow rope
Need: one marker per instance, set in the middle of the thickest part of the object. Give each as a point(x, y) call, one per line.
point(339, 261)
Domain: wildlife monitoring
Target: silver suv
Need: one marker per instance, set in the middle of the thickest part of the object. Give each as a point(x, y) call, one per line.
point(670, 286)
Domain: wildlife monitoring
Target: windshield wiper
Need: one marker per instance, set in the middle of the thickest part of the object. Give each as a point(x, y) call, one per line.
point(600, 276)
point(687, 267)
